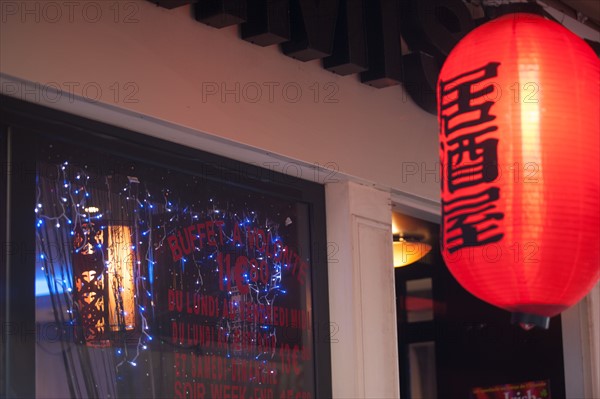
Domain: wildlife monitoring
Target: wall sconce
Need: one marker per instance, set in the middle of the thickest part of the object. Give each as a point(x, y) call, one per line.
point(409, 249)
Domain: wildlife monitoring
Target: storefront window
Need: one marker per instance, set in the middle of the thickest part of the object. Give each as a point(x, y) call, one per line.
point(185, 281)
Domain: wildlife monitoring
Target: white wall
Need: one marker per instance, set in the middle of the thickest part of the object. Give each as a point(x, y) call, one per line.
point(165, 61)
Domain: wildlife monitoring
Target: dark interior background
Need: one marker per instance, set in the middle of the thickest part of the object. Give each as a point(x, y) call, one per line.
point(475, 343)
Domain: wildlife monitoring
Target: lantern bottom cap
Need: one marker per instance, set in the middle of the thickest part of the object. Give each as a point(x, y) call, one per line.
point(529, 321)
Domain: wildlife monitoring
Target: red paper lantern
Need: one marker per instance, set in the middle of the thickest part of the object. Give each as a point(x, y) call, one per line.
point(519, 115)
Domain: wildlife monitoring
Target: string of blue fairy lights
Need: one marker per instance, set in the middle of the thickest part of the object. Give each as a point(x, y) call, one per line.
point(69, 208)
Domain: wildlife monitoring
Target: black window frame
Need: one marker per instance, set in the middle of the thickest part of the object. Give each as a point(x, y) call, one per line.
point(20, 123)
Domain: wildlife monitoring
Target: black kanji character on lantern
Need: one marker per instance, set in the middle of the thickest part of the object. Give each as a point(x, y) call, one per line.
point(460, 102)
point(471, 220)
point(471, 160)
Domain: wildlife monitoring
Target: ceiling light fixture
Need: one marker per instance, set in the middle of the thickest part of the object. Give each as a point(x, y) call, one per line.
point(409, 249)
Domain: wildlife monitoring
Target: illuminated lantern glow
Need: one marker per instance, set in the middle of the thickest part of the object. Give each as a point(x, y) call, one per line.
point(104, 282)
point(519, 116)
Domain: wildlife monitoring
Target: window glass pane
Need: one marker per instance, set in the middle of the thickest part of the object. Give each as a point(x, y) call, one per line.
point(419, 302)
point(157, 283)
point(422, 370)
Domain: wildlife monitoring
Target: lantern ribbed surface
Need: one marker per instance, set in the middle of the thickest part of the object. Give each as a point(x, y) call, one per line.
point(519, 114)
